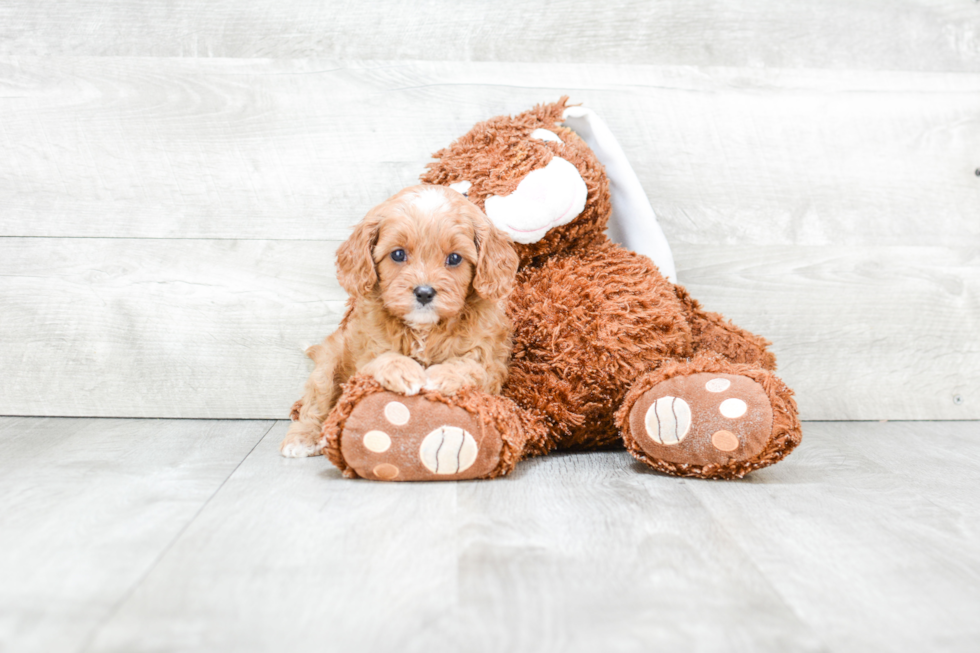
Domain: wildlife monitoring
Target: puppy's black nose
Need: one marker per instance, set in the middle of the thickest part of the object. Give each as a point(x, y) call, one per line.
point(424, 294)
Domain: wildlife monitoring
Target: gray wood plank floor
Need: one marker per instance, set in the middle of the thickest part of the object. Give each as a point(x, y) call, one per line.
point(191, 535)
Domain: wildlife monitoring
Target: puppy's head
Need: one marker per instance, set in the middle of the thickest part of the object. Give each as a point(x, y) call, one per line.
point(425, 251)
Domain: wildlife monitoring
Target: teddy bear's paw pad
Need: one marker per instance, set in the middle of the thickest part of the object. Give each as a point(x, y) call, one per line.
point(391, 437)
point(703, 419)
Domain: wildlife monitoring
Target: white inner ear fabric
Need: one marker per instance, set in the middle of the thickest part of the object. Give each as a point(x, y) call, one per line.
point(545, 135)
point(546, 198)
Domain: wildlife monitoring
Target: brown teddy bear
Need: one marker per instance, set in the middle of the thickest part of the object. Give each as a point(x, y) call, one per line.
point(606, 349)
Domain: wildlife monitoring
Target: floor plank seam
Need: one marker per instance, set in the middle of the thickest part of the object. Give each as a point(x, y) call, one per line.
point(87, 643)
point(746, 555)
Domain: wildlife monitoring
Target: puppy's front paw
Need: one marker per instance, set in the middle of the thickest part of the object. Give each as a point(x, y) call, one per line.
point(445, 379)
point(296, 449)
point(300, 443)
point(397, 373)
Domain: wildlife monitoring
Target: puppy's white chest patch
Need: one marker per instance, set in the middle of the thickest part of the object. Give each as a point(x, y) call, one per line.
point(419, 337)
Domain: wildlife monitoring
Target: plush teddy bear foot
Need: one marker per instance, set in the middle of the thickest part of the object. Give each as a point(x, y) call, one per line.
point(391, 437)
point(384, 436)
point(712, 424)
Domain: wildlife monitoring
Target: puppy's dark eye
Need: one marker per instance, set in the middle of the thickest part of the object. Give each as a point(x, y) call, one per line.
point(399, 256)
point(453, 260)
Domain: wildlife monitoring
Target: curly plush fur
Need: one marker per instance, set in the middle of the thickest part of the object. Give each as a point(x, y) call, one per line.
point(595, 325)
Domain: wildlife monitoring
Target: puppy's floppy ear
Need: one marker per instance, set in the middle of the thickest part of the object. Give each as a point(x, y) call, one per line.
point(496, 263)
point(355, 260)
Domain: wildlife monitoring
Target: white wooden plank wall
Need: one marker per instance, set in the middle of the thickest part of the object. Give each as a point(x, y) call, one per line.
point(169, 220)
point(839, 34)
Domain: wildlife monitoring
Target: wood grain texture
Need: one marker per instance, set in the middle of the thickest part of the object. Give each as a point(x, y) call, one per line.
point(125, 147)
point(868, 523)
point(834, 213)
point(89, 507)
point(864, 539)
point(859, 332)
point(161, 328)
point(840, 34)
point(204, 328)
point(568, 553)
point(370, 552)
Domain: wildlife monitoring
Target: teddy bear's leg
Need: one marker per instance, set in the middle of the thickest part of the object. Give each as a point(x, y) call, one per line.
point(383, 436)
point(711, 332)
point(709, 418)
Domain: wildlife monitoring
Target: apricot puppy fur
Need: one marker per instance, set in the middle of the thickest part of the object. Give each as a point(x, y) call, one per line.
point(428, 275)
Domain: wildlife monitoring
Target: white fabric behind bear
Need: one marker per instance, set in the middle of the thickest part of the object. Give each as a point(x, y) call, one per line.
point(633, 223)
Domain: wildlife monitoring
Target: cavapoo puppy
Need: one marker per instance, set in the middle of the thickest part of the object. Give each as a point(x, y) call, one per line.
point(427, 274)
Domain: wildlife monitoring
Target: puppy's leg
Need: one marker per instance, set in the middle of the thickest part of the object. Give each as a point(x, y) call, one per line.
point(484, 367)
point(396, 372)
point(319, 396)
point(452, 375)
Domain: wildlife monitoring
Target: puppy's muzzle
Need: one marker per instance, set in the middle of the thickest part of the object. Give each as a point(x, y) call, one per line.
point(424, 294)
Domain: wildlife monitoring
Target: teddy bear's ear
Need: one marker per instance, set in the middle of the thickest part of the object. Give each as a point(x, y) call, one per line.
point(496, 263)
point(355, 260)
